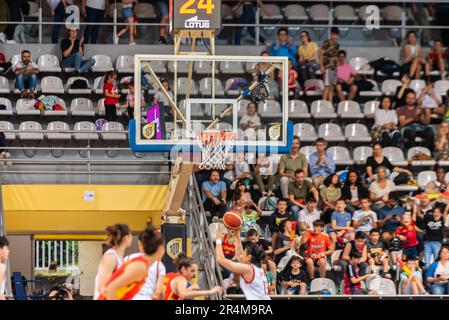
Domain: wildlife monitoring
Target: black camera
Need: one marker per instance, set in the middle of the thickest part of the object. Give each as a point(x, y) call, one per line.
point(61, 292)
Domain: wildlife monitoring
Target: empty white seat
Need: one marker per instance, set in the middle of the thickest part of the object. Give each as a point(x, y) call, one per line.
point(275, 12)
point(297, 109)
point(345, 12)
point(5, 126)
point(340, 155)
point(269, 109)
point(305, 131)
point(206, 87)
point(316, 84)
point(182, 66)
point(374, 92)
point(7, 103)
point(85, 130)
point(415, 150)
point(60, 131)
point(319, 12)
point(307, 151)
point(360, 154)
point(158, 66)
point(102, 110)
point(25, 107)
point(335, 258)
point(330, 132)
point(30, 130)
point(319, 284)
point(125, 63)
point(103, 63)
point(295, 12)
point(392, 13)
point(441, 87)
point(57, 112)
point(349, 110)
point(357, 132)
point(424, 177)
point(145, 11)
point(369, 108)
point(52, 84)
point(82, 107)
point(395, 155)
point(417, 86)
point(48, 63)
point(382, 286)
point(196, 109)
point(205, 67)
point(231, 67)
point(182, 87)
point(77, 91)
point(323, 109)
point(108, 134)
point(98, 85)
point(360, 64)
point(4, 85)
point(390, 86)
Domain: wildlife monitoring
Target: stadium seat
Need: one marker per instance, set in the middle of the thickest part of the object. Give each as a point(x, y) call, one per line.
point(417, 86)
point(441, 87)
point(30, 130)
point(98, 85)
point(360, 154)
point(305, 131)
point(113, 126)
point(424, 177)
point(322, 109)
point(115, 6)
point(223, 126)
point(345, 12)
point(242, 107)
point(25, 107)
point(335, 258)
point(182, 66)
point(214, 226)
point(331, 132)
point(295, 12)
point(52, 85)
point(4, 85)
point(205, 67)
point(374, 92)
point(16, 58)
point(59, 127)
point(341, 155)
point(319, 284)
point(102, 110)
point(48, 63)
point(206, 87)
point(144, 11)
point(196, 109)
point(125, 64)
point(316, 84)
point(307, 151)
point(390, 86)
point(297, 109)
point(269, 109)
point(357, 132)
point(363, 14)
point(395, 155)
point(360, 64)
point(182, 87)
point(57, 112)
point(275, 12)
point(103, 63)
point(5, 126)
point(7, 103)
point(392, 14)
point(231, 67)
point(349, 110)
point(382, 286)
point(369, 108)
point(319, 13)
point(78, 91)
point(158, 66)
point(84, 131)
point(82, 107)
point(425, 163)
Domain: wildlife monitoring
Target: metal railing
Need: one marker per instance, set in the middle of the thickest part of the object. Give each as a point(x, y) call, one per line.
point(62, 253)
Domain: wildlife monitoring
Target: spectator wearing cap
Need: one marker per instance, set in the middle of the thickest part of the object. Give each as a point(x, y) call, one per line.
point(345, 78)
point(299, 190)
point(214, 195)
point(329, 63)
point(284, 47)
point(26, 75)
point(321, 163)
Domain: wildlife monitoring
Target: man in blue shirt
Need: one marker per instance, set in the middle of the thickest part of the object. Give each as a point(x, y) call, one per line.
point(390, 216)
point(321, 163)
point(284, 47)
point(214, 195)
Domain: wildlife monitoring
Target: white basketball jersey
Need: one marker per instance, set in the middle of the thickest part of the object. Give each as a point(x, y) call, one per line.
point(156, 270)
point(3, 282)
point(119, 262)
point(257, 288)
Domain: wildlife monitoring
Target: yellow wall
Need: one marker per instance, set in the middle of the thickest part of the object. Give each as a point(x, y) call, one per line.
point(64, 209)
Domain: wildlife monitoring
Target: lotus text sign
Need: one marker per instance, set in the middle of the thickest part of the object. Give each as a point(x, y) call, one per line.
point(196, 14)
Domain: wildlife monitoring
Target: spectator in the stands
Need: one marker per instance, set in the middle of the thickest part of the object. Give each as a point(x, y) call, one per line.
point(26, 75)
point(422, 207)
point(161, 7)
point(401, 92)
point(422, 17)
point(93, 11)
point(386, 122)
point(380, 189)
point(214, 195)
point(248, 16)
point(438, 273)
point(250, 122)
point(250, 215)
point(73, 51)
point(441, 179)
point(429, 101)
point(377, 253)
point(357, 245)
point(434, 234)
point(237, 171)
point(412, 122)
point(353, 191)
point(308, 62)
point(341, 230)
point(161, 99)
point(284, 46)
point(245, 196)
point(254, 238)
point(279, 215)
point(330, 192)
point(294, 278)
point(263, 67)
point(4, 64)
point(321, 163)
point(442, 141)
point(442, 19)
point(413, 60)
point(128, 16)
point(345, 78)
point(436, 59)
point(364, 219)
point(111, 95)
point(412, 283)
point(390, 216)
point(308, 215)
point(407, 233)
point(283, 243)
point(289, 163)
point(292, 83)
point(58, 10)
point(352, 278)
point(329, 63)
point(264, 174)
point(298, 191)
point(379, 160)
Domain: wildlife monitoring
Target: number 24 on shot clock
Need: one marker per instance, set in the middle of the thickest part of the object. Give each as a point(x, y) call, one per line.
point(197, 14)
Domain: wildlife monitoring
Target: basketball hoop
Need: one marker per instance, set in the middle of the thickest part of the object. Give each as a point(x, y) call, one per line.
point(215, 145)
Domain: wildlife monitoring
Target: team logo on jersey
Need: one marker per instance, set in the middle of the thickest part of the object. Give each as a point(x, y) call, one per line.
point(148, 131)
point(274, 132)
point(194, 23)
point(174, 247)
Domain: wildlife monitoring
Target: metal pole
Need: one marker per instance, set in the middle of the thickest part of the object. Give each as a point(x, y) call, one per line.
point(40, 24)
point(257, 22)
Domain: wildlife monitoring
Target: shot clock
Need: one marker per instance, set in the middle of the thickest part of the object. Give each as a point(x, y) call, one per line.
point(196, 14)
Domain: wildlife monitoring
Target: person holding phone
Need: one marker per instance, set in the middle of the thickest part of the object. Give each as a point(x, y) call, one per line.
point(438, 273)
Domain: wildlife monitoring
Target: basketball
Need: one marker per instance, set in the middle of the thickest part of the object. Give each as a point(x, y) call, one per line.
point(232, 219)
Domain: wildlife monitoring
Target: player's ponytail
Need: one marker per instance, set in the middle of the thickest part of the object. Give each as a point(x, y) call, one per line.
point(183, 261)
point(151, 240)
point(256, 253)
point(116, 234)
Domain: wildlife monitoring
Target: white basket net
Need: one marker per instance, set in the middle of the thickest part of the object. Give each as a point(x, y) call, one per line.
point(215, 146)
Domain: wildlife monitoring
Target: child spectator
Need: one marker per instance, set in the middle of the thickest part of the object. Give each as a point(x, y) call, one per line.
point(308, 215)
point(330, 193)
point(110, 95)
point(341, 230)
point(412, 284)
point(129, 103)
point(128, 16)
point(271, 277)
point(279, 215)
point(319, 246)
point(283, 243)
point(253, 237)
point(436, 59)
point(353, 280)
point(293, 85)
point(408, 236)
point(345, 78)
point(377, 253)
point(250, 217)
point(162, 100)
point(294, 278)
point(264, 174)
point(358, 245)
point(364, 219)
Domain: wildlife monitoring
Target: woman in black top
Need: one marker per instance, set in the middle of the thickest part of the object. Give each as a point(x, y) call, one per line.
point(378, 160)
point(433, 238)
point(353, 191)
